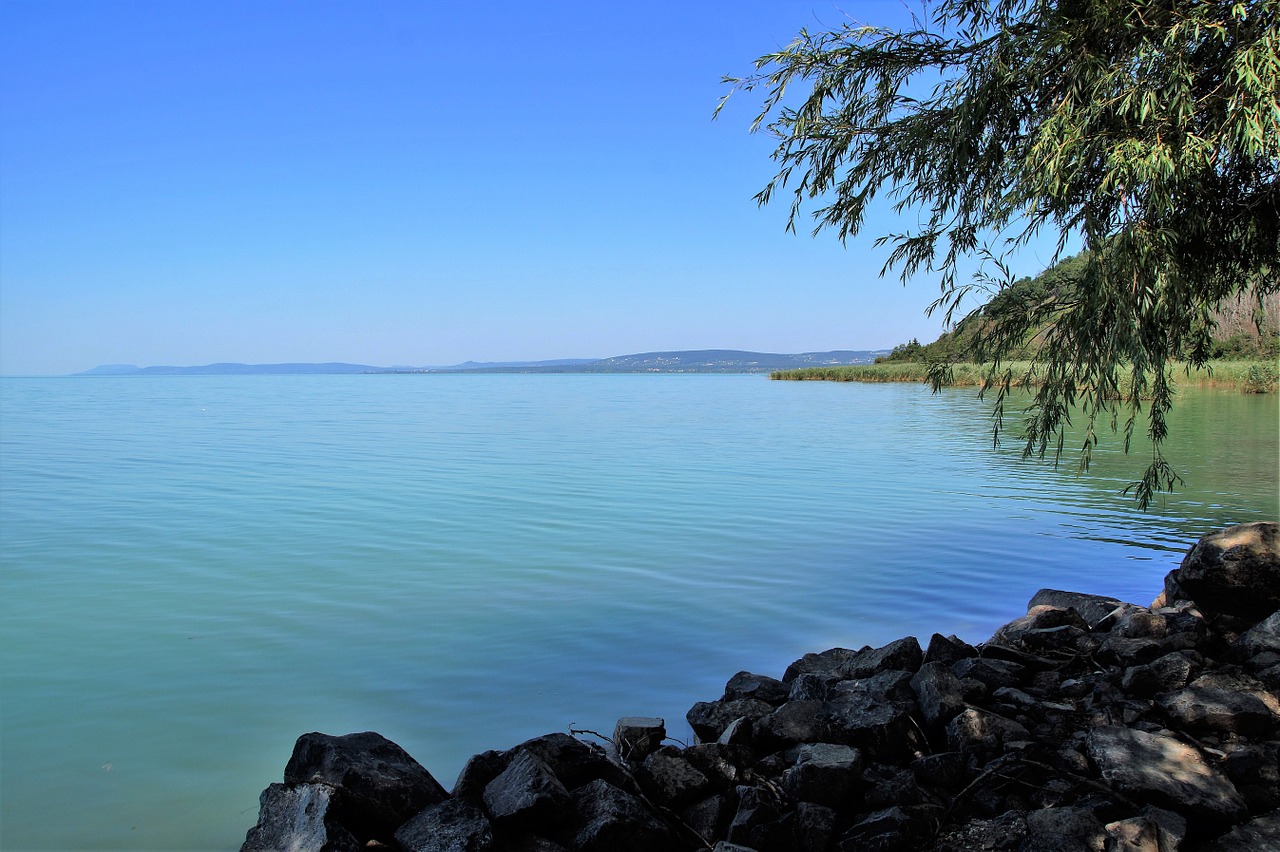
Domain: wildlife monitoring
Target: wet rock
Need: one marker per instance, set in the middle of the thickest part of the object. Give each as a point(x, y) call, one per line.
point(299, 817)
point(526, 793)
point(456, 825)
point(1163, 771)
point(1234, 572)
point(636, 737)
point(382, 786)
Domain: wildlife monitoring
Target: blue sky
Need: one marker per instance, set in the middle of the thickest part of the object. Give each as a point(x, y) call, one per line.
point(408, 183)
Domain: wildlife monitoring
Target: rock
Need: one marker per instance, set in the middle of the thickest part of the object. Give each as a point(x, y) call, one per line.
point(477, 772)
point(815, 825)
point(1166, 772)
point(709, 818)
point(1019, 632)
point(527, 793)
point(881, 728)
point(811, 687)
point(738, 732)
point(574, 762)
point(1006, 831)
point(826, 663)
point(757, 808)
point(1064, 830)
point(889, 829)
point(1262, 637)
point(986, 734)
point(824, 773)
point(945, 770)
point(710, 718)
point(456, 825)
point(793, 722)
point(382, 786)
point(1254, 769)
point(992, 673)
point(1260, 834)
point(1092, 608)
point(298, 818)
point(1163, 674)
point(761, 687)
point(607, 819)
point(726, 846)
point(668, 779)
point(721, 764)
point(902, 655)
point(1136, 834)
point(1234, 572)
point(1202, 708)
point(947, 649)
point(636, 737)
point(939, 694)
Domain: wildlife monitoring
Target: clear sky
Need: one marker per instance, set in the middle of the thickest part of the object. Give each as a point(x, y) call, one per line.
point(421, 183)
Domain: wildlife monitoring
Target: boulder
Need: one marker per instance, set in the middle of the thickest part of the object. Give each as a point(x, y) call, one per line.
point(527, 793)
point(1262, 637)
point(604, 818)
point(1234, 573)
point(669, 779)
point(762, 687)
point(300, 818)
point(1064, 830)
point(1092, 608)
point(709, 719)
point(456, 825)
point(381, 785)
point(636, 737)
point(1163, 771)
point(824, 773)
point(901, 655)
point(1260, 834)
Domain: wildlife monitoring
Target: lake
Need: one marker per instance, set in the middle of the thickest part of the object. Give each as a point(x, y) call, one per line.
point(196, 570)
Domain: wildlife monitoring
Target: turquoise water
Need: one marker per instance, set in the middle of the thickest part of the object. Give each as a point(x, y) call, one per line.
point(197, 570)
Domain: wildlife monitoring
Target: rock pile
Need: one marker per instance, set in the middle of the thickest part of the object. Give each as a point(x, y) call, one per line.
point(1087, 724)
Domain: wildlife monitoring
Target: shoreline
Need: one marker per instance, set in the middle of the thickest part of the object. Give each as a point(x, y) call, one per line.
point(1242, 376)
point(1086, 723)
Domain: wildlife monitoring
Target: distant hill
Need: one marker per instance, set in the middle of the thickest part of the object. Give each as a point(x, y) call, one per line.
point(693, 361)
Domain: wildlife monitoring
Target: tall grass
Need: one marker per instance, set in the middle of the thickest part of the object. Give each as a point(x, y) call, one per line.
point(1244, 376)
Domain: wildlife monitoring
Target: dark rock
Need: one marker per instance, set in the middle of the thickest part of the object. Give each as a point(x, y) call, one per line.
point(1163, 771)
point(1135, 834)
point(757, 808)
point(1202, 708)
point(792, 723)
point(726, 846)
point(889, 785)
point(947, 649)
point(1141, 623)
point(826, 663)
point(761, 687)
point(299, 817)
point(671, 780)
point(1092, 608)
point(889, 829)
point(710, 818)
point(1038, 620)
point(710, 718)
point(574, 762)
point(982, 733)
point(1005, 832)
point(880, 727)
point(1172, 827)
point(721, 764)
point(1064, 830)
point(527, 793)
point(901, 655)
point(815, 826)
point(811, 687)
point(1254, 769)
point(530, 843)
point(456, 825)
point(992, 673)
point(739, 732)
point(382, 786)
point(944, 770)
point(1234, 572)
point(1124, 651)
point(1163, 674)
point(477, 772)
point(1262, 637)
point(607, 819)
point(824, 773)
point(636, 737)
point(1260, 834)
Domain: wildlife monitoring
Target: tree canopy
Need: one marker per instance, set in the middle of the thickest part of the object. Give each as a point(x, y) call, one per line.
point(1147, 130)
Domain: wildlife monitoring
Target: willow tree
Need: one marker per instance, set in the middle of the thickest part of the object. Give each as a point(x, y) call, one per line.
point(1147, 129)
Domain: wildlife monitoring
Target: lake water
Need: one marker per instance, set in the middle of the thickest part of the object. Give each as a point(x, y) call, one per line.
point(197, 570)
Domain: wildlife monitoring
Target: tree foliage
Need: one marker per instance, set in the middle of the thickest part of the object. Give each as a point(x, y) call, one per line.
point(1147, 129)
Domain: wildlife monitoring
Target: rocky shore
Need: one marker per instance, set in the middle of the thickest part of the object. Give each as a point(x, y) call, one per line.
point(1086, 724)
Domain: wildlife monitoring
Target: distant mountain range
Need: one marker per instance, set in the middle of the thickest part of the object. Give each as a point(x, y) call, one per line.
point(692, 361)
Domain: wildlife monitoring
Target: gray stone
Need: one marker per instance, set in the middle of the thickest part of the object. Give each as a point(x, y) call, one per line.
point(456, 825)
point(709, 818)
point(815, 825)
point(574, 762)
point(945, 770)
point(1136, 834)
point(741, 731)
point(382, 786)
point(1004, 832)
point(477, 772)
point(1172, 827)
point(1163, 674)
point(757, 808)
point(793, 722)
point(1092, 608)
point(527, 793)
point(721, 764)
point(1124, 651)
point(636, 737)
point(982, 733)
point(1037, 620)
point(992, 673)
point(881, 728)
point(891, 828)
point(1164, 771)
point(947, 649)
point(811, 687)
point(298, 818)
point(1234, 572)
point(1262, 637)
point(827, 663)
point(726, 846)
point(1254, 769)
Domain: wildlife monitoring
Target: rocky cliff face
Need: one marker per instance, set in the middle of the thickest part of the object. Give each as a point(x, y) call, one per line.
point(1086, 724)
